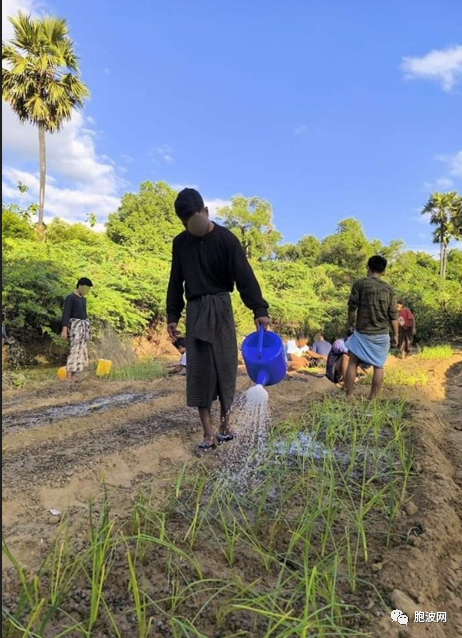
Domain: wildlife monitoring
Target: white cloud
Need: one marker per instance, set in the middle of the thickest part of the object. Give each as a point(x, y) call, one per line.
point(454, 174)
point(444, 183)
point(68, 203)
point(79, 180)
point(441, 184)
point(214, 204)
point(454, 163)
point(128, 159)
point(179, 187)
point(443, 66)
point(162, 153)
point(301, 129)
point(10, 8)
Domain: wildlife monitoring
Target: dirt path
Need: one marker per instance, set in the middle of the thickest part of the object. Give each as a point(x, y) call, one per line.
point(57, 448)
point(425, 572)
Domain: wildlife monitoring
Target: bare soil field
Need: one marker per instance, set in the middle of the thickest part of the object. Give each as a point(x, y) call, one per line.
point(60, 444)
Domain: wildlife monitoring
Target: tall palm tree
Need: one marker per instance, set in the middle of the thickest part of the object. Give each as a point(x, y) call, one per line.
point(442, 208)
point(40, 80)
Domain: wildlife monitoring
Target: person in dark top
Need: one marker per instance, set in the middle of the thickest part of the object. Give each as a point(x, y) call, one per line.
point(76, 327)
point(371, 311)
point(207, 261)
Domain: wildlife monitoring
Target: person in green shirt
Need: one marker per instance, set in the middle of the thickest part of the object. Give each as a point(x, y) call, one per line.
point(372, 309)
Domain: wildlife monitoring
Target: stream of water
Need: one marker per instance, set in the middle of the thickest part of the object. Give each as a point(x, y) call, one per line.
point(245, 454)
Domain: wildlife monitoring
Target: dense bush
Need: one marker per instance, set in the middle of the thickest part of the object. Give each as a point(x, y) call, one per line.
point(306, 284)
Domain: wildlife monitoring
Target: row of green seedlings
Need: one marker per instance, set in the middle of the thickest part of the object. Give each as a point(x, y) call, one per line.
point(305, 528)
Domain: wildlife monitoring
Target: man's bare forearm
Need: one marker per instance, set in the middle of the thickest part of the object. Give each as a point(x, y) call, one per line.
point(351, 318)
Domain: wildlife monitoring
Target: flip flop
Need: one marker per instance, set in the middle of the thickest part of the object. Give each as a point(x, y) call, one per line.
point(224, 438)
point(205, 446)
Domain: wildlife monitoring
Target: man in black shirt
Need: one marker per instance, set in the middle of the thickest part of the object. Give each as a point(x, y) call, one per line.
point(75, 325)
point(207, 260)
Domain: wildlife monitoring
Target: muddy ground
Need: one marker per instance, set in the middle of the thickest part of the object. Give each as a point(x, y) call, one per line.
point(59, 443)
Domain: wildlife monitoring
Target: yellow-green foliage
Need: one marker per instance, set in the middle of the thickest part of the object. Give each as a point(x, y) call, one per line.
point(306, 284)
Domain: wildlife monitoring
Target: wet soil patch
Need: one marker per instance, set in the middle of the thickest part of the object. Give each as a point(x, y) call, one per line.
point(33, 418)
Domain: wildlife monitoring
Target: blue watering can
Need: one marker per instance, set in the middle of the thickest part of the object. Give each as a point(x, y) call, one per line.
point(264, 357)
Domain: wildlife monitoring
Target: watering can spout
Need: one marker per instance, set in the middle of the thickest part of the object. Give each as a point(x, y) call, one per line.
point(262, 378)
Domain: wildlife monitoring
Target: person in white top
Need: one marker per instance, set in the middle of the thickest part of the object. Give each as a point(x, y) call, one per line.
point(296, 350)
point(292, 348)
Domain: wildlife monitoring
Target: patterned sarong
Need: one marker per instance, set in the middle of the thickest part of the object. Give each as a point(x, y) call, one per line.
point(211, 347)
point(80, 334)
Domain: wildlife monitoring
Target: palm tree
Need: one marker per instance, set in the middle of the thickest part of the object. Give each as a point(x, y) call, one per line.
point(40, 80)
point(444, 209)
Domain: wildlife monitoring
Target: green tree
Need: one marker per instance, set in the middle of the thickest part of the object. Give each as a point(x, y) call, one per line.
point(251, 220)
point(61, 232)
point(307, 250)
point(456, 217)
point(348, 248)
point(444, 212)
point(40, 80)
point(15, 222)
point(454, 270)
point(146, 220)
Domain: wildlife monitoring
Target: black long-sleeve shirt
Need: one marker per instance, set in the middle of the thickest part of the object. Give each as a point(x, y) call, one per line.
point(75, 307)
point(209, 265)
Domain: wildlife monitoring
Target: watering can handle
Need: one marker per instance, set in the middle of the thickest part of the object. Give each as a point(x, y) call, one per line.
point(261, 333)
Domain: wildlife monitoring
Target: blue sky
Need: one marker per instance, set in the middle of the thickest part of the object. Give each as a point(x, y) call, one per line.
point(326, 108)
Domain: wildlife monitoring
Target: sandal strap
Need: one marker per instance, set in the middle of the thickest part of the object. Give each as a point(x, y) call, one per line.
point(206, 445)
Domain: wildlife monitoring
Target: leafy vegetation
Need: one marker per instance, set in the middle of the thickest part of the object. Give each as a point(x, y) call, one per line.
point(306, 284)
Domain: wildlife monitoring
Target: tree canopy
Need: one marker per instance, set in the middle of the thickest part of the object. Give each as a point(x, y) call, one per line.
point(306, 284)
point(146, 220)
point(251, 220)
